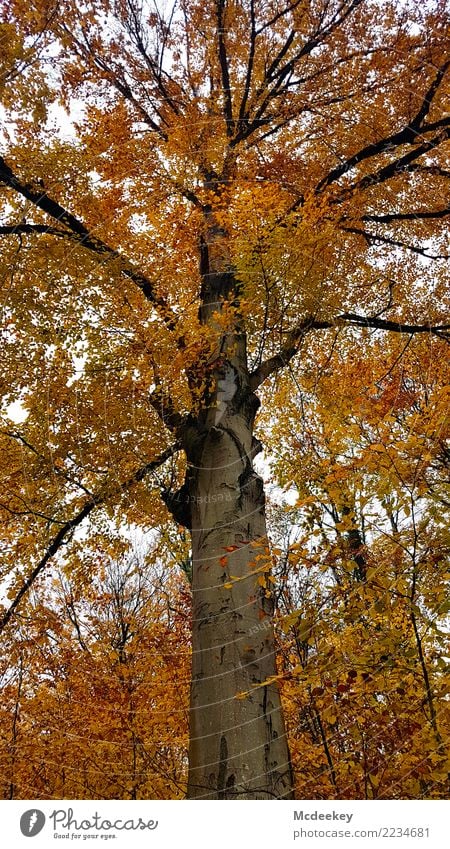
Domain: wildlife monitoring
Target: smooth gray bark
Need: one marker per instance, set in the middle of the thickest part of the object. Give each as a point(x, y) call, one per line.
point(238, 745)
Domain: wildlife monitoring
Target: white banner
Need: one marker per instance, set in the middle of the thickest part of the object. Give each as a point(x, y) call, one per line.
point(231, 825)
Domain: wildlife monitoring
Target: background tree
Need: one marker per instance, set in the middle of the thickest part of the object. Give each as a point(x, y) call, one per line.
point(365, 617)
point(101, 684)
point(242, 184)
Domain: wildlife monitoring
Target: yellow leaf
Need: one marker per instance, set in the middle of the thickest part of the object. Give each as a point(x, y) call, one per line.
point(261, 581)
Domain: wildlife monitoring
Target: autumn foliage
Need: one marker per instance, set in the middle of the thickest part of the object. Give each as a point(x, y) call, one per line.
point(223, 233)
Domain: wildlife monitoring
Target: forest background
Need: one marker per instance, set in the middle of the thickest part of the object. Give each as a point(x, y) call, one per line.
point(224, 271)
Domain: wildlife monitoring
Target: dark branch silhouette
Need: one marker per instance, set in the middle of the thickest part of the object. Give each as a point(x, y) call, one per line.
point(68, 527)
point(77, 231)
point(294, 337)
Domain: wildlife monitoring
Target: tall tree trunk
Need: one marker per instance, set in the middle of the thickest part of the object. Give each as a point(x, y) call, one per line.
point(238, 745)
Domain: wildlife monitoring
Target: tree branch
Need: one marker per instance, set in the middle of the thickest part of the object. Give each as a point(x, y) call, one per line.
point(154, 65)
point(407, 135)
point(86, 50)
point(57, 471)
point(21, 229)
point(417, 214)
point(277, 72)
point(224, 70)
point(394, 326)
point(428, 99)
point(397, 165)
point(290, 349)
point(434, 170)
point(69, 526)
point(78, 232)
point(387, 240)
point(313, 41)
point(243, 115)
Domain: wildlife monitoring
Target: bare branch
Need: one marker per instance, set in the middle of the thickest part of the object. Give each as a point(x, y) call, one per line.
point(67, 529)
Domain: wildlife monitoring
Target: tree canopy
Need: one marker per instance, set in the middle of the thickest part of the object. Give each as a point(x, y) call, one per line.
point(209, 212)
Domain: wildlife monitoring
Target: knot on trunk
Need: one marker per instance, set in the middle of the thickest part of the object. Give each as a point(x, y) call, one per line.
point(252, 487)
point(179, 505)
